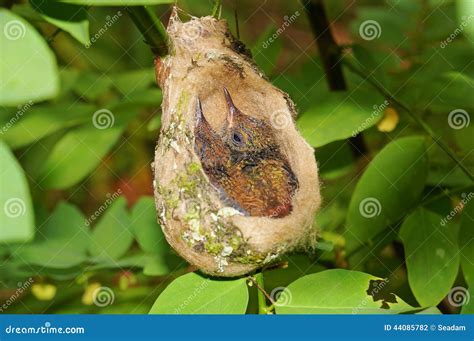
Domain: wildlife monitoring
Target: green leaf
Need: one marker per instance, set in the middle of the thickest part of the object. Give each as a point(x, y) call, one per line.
point(111, 237)
point(16, 210)
point(66, 224)
point(146, 228)
point(340, 115)
point(133, 81)
point(465, 298)
point(29, 125)
point(54, 254)
point(466, 238)
point(69, 18)
point(465, 11)
point(388, 189)
point(92, 85)
point(159, 265)
point(76, 155)
point(62, 240)
point(339, 291)
point(117, 2)
point(430, 311)
point(194, 294)
point(431, 255)
point(28, 67)
point(266, 50)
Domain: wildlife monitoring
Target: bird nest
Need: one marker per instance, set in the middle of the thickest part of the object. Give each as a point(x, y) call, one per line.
point(221, 212)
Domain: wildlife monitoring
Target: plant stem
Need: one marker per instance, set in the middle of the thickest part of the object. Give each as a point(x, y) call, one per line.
point(151, 28)
point(368, 78)
point(261, 293)
point(448, 193)
point(216, 10)
point(330, 56)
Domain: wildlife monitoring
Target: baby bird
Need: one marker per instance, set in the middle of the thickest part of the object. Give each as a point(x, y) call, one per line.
point(245, 164)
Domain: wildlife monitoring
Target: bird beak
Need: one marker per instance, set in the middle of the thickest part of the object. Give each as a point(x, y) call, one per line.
point(232, 109)
point(199, 114)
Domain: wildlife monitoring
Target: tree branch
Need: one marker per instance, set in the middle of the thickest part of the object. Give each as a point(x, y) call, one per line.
point(330, 57)
point(151, 28)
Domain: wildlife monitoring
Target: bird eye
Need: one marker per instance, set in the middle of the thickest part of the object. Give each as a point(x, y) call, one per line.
point(237, 138)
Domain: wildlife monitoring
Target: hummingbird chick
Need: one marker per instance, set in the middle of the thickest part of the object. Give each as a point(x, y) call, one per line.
point(245, 164)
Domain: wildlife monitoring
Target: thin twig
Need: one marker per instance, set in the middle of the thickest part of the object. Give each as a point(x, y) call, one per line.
point(448, 193)
point(368, 78)
point(262, 294)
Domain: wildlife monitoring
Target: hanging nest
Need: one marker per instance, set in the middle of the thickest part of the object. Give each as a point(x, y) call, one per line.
point(208, 76)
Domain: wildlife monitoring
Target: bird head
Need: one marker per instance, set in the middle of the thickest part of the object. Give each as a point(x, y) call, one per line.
point(244, 133)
